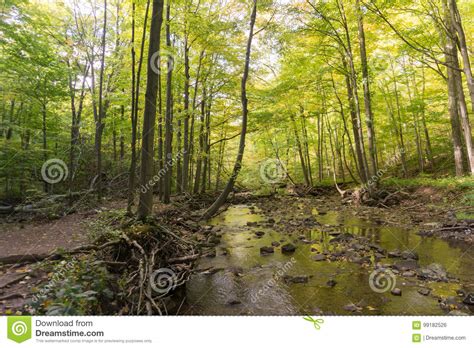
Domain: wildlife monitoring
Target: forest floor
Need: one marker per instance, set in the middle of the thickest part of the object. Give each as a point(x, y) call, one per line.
point(41, 236)
point(428, 208)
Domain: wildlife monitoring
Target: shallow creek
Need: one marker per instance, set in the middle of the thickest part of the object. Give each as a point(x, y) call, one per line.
point(240, 281)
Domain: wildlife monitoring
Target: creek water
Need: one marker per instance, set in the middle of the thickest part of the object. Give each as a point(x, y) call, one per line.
point(243, 282)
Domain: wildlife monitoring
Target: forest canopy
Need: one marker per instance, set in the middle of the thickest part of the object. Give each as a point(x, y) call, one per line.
point(337, 91)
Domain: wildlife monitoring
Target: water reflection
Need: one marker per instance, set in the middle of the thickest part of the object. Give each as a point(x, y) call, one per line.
point(242, 272)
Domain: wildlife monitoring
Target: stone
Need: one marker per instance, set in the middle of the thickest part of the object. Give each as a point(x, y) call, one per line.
point(355, 259)
point(406, 265)
point(266, 250)
point(275, 244)
point(288, 248)
point(396, 292)
point(377, 248)
point(334, 233)
point(457, 313)
point(295, 279)
point(310, 221)
point(409, 255)
point(259, 233)
point(343, 237)
point(409, 274)
point(319, 257)
point(433, 272)
point(394, 253)
point(331, 283)
point(352, 308)
point(379, 256)
point(424, 291)
point(357, 246)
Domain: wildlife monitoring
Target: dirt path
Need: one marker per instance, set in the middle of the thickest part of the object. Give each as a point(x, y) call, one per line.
point(26, 242)
point(42, 237)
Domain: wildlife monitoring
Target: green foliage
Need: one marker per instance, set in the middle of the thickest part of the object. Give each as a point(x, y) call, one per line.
point(447, 182)
point(107, 226)
point(297, 90)
point(77, 286)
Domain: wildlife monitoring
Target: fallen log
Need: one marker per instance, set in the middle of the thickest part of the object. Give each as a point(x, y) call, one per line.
point(23, 258)
point(55, 255)
point(11, 296)
point(9, 279)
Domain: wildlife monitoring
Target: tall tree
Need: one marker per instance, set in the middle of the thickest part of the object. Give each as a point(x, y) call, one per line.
point(238, 161)
point(369, 117)
point(145, 206)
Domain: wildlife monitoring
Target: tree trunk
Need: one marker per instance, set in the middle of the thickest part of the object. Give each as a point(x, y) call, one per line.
point(356, 130)
point(168, 115)
point(206, 164)
point(179, 173)
point(45, 145)
point(351, 82)
point(457, 23)
point(145, 206)
point(199, 160)
point(346, 132)
point(304, 131)
point(457, 108)
point(99, 126)
point(367, 98)
point(238, 162)
point(185, 171)
point(429, 151)
point(399, 122)
point(300, 150)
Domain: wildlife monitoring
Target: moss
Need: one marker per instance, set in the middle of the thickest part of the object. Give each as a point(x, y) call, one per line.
point(455, 183)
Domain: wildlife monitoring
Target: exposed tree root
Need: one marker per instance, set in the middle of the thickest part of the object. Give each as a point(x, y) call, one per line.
point(375, 197)
point(159, 261)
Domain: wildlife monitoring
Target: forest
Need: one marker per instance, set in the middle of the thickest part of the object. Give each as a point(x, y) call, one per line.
point(238, 157)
